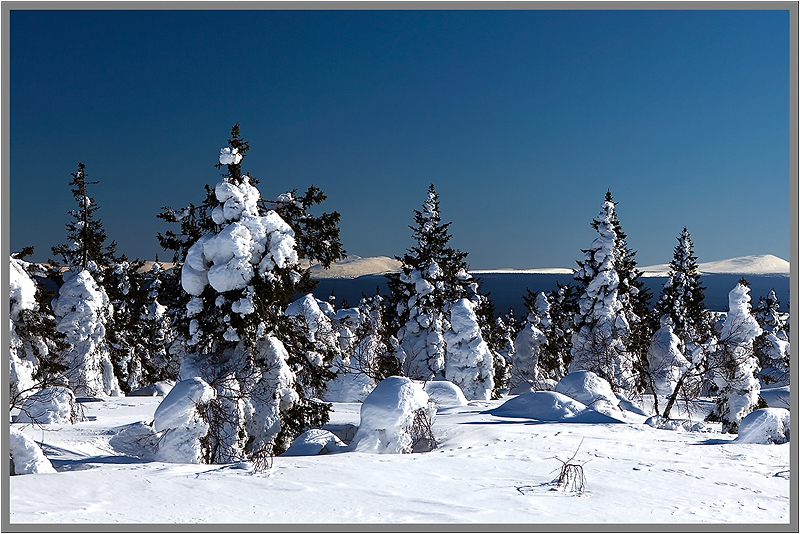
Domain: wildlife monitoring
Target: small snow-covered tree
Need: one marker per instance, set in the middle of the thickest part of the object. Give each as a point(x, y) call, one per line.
point(35, 348)
point(682, 298)
point(602, 328)
point(240, 274)
point(469, 363)
point(373, 352)
point(772, 346)
point(734, 365)
point(82, 308)
point(666, 362)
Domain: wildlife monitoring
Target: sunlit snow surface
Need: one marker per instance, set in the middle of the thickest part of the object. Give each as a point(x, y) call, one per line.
point(487, 469)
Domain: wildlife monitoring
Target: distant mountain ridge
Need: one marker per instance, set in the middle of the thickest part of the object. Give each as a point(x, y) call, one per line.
point(356, 266)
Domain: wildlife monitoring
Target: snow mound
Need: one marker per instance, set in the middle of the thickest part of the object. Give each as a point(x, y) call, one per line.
point(313, 442)
point(550, 406)
point(686, 425)
point(445, 393)
point(50, 405)
point(135, 439)
point(765, 426)
point(177, 417)
point(588, 388)
point(387, 414)
point(26, 456)
point(159, 389)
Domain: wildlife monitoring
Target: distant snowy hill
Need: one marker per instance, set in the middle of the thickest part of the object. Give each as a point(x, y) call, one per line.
point(355, 266)
point(765, 264)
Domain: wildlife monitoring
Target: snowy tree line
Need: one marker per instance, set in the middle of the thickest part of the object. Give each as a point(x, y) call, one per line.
point(236, 317)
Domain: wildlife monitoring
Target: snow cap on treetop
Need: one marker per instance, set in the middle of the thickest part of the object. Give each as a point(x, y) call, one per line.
point(229, 156)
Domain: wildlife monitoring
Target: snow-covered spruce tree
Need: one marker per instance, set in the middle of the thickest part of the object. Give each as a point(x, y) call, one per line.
point(35, 344)
point(240, 274)
point(373, 352)
point(82, 308)
point(635, 297)
point(682, 298)
point(330, 333)
point(666, 360)
point(157, 334)
point(529, 343)
point(772, 346)
point(734, 365)
point(602, 328)
point(433, 279)
point(557, 351)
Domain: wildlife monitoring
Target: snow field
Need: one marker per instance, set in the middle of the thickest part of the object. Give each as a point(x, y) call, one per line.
point(488, 469)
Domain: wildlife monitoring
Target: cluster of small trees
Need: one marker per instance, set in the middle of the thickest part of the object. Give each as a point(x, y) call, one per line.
point(227, 313)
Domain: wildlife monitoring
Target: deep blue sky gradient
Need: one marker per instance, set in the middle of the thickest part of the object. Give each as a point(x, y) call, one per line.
point(522, 120)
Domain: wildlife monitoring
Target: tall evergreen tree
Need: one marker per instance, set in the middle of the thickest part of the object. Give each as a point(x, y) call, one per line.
point(82, 308)
point(433, 274)
point(433, 282)
point(602, 342)
point(240, 270)
point(682, 298)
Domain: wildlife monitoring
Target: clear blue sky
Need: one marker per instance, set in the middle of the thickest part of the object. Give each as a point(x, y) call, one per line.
point(522, 120)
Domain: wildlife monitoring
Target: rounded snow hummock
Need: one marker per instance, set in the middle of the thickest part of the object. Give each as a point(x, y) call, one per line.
point(766, 426)
point(445, 393)
point(550, 406)
point(588, 388)
point(313, 442)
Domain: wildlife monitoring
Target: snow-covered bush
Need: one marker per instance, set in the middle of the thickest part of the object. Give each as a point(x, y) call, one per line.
point(445, 393)
point(180, 418)
point(735, 364)
point(50, 405)
point(468, 361)
point(588, 388)
point(765, 426)
point(313, 442)
point(27, 457)
point(82, 310)
point(387, 416)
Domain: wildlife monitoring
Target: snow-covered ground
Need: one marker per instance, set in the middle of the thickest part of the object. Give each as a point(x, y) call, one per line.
point(487, 469)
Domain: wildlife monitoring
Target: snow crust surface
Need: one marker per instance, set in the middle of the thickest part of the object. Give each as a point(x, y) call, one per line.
point(487, 470)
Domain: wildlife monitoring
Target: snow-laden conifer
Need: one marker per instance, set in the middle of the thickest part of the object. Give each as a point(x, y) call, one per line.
point(433, 274)
point(602, 329)
point(240, 271)
point(433, 278)
point(468, 361)
point(735, 364)
point(666, 362)
point(683, 295)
